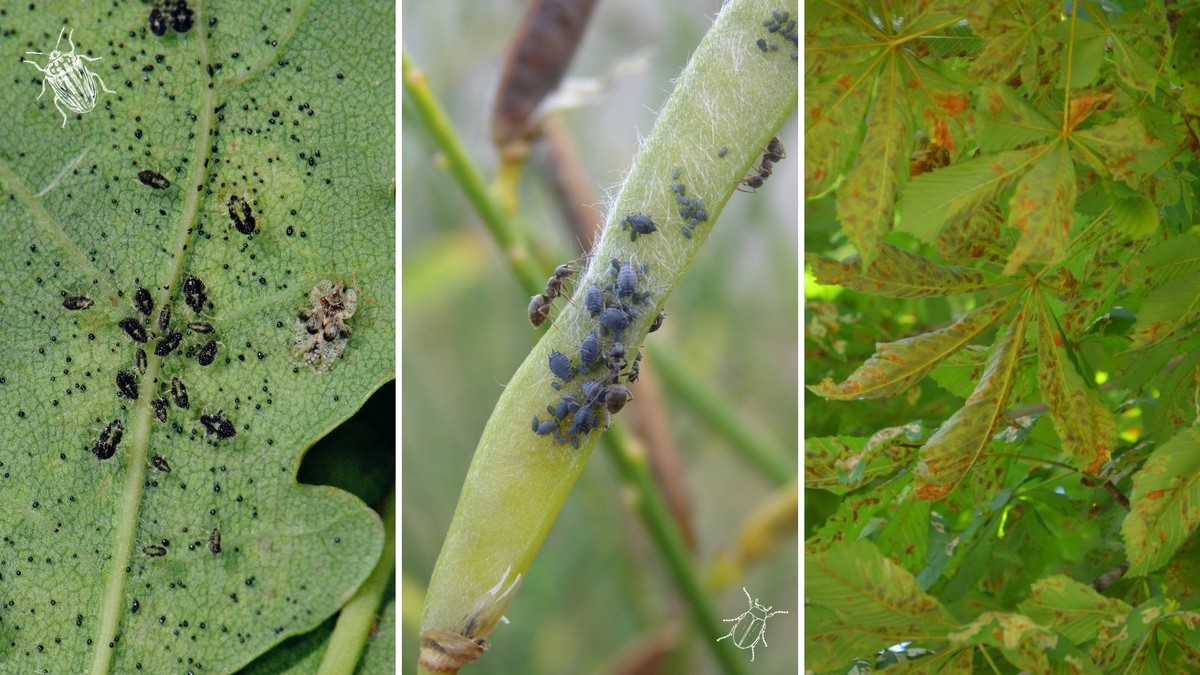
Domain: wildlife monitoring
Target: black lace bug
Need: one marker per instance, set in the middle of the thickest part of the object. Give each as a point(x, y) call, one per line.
point(77, 302)
point(154, 179)
point(164, 317)
point(154, 551)
point(218, 425)
point(241, 215)
point(133, 328)
point(179, 394)
point(207, 353)
point(158, 23)
point(214, 541)
point(161, 464)
point(110, 438)
point(142, 301)
point(127, 384)
point(200, 327)
point(159, 406)
point(194, 293)
point(168, 343)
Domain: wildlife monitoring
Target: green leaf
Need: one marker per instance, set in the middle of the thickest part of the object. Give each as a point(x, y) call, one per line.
point(1168, 260)
point(961, 370)
point(291, 111)
point(1085, 426)
point(1167, 310)
point(1008, 121)
point(866, 201)
point(832, 116)
point(878, 602)
point(1134, 69)
point(958, 444)
point(898, 274)
point(948, 197)
point(1122, 150)
point(1024, 643)
point(1071, 608)
point(842, 463)
point(896, 366)
point(1042, 209)
point(1164, 503)
point(999, 57)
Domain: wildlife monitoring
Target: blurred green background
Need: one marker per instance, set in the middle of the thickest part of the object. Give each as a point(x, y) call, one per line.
point(598, 590)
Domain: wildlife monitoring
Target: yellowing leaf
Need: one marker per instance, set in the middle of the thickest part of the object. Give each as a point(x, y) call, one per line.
point(1070, 607)
point(1165, 503)
point(1000, 57)
point(1122, 150)
point(832, 114)
point(1087, 429)
point(841, 463)
point(898, 274)
point(1008, 121)
point(856, 583)
point(1167, 310)
point(961, 440)
point(895, 366)
point(1042, 209)
point(950, 196)
point(866, 201)
point(1019, 638)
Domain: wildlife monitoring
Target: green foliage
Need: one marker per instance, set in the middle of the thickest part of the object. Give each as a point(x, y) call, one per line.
point(106, 564)
point(1040, 257)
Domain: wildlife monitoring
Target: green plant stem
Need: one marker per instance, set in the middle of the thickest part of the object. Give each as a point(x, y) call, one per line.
point(466, 175)
point(357, 616)
point(732, 95)
point(718, 413)
point(631, 464)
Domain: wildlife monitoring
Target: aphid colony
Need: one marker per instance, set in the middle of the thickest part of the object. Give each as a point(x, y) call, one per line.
point(601, 361)
point(322, 330)
point(691, 209)
point(781, 23)
point(772, 154)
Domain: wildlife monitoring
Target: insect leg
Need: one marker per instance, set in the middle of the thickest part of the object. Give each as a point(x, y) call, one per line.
point(102, 85)
point(60, 110)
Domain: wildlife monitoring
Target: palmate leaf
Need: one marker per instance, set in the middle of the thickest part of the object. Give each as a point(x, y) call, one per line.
point(1167, 310)
point(1167, 261)
point(1008, 121)
point(958, 444)
point(948, 197)
point(1164, 503)
point(833, 113)
point(1073, 609)
point(1085, 426)
point(1121, 150)
point(1025, 644)
point(1112, 260)
point(873, 601)
point(866, 201)
point(896, 273)
point(1042, 209)
point(106, 564)
point(842, 463)
point(895, 366)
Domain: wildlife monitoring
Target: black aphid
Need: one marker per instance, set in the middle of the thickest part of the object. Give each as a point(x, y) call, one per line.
point(127, 384)
point(168, 343)
point(200, 327)
point(142, 301)
point(614, 319)
point(563, 408)
point(164, 317)
point(722, 151)
point(241, 215)
point(626, 280)
point(139, 359)
point(593, 300)
point(77, 302)
point(154, 550)
point(134, 328)
point(159, 405)
point(179, 393)
point(154, 179)
point(207, 353)
point(658, 321)
point(634, 368)
point(218, 425)
point(638, 223)
point(181, 17)
point(589, 350)
point(161, 464)
point(158, 23)
point(560, 365)
point(593, 392)
point(214, 541)
point(585, 420)
point(110, 438)
point(544, 428)
point(193, 293)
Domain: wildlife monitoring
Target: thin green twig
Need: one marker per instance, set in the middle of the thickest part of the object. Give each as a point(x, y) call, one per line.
point(468, 177)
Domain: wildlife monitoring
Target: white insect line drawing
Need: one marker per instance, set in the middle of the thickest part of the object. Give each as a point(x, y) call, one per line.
point(750, 625)
point(70, 80)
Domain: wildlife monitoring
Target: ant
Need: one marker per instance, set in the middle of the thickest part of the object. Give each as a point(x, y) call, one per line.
point(773, 153)
point(539, 304)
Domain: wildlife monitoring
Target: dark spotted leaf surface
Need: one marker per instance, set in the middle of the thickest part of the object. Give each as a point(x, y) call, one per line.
point(285, 106)
point(896, 273)
point(1165, 503)
point(896, 366)
point(1076, 610)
